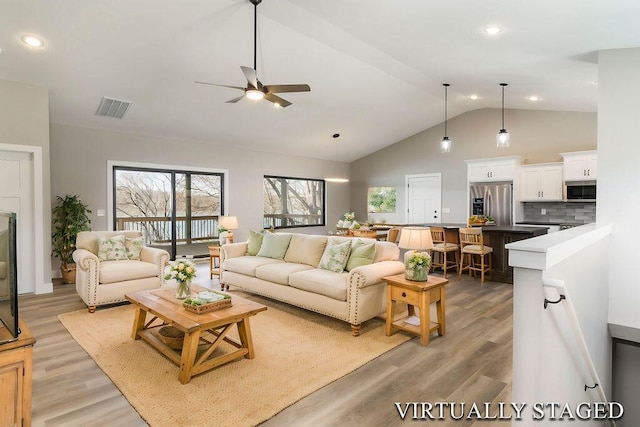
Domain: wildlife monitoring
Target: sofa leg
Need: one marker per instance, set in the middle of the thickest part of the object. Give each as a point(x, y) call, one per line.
point(355, 330)
point(92, 308)
point(223, 286)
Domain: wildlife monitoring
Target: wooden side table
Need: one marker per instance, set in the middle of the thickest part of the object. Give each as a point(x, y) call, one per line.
point(416, 294)
point(214, 253)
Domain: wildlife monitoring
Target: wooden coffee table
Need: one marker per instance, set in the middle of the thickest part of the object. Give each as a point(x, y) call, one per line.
point(206, 329)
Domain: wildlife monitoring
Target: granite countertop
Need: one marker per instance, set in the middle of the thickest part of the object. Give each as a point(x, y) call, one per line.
point(515, 229)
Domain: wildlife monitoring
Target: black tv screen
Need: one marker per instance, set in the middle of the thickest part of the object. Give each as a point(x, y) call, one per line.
point(8, 277)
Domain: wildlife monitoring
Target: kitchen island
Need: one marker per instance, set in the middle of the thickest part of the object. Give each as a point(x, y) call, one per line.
point(499, 236)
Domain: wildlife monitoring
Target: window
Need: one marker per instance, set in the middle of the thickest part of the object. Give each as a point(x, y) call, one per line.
point(176, 210)
point(293, 202)
point(382, 199)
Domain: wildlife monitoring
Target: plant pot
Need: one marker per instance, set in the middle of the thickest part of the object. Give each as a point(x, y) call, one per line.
point(68, 272)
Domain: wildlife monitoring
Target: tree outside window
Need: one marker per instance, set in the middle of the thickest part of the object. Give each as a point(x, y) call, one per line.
point(293, 202)
point(382, 199)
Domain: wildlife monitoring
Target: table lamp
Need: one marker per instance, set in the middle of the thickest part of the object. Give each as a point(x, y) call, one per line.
point(415, 238)
point(230, 223)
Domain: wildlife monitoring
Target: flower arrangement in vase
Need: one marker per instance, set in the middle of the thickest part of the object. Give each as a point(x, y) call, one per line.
point(417, 266)
point(347, 220)
point(182, 271)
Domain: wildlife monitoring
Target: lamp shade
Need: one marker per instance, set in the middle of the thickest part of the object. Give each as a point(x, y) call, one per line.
point(229, 222)
point(418, 238)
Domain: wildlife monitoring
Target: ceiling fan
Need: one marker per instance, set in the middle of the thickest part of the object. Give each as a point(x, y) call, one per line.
point(255, 89)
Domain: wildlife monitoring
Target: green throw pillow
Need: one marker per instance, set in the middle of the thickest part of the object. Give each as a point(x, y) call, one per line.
point(134, 246)
point(255, 242)
point(362, 253)
point(111, 248)
point(335, 257)
point(274, 245)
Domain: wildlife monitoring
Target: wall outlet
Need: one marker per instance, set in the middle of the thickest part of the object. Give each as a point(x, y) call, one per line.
point(543, 211)
point(101, 212)
point(446, 210)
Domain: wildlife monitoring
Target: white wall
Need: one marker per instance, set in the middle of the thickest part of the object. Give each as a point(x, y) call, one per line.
point(619, 175)
point(537, 136)
point(619, 204)
point(79, 166)
point(24, 120)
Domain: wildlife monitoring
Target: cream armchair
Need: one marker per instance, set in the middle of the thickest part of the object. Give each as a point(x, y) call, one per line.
point(106, 282)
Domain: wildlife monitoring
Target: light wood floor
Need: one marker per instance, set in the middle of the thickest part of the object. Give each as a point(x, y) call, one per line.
point(472, 362)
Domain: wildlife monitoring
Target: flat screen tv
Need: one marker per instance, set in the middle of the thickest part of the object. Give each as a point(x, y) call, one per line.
point(9, 329)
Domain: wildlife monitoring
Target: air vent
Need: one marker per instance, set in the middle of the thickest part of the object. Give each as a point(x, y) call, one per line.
point(110, 107)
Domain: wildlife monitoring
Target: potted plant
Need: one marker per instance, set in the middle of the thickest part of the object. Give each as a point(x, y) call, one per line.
point(69, 216)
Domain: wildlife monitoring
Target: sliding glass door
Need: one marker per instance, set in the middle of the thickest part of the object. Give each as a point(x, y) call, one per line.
point(176, 210)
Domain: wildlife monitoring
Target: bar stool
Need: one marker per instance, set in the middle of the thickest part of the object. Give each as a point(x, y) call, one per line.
point(473, 247)
point(442, 249)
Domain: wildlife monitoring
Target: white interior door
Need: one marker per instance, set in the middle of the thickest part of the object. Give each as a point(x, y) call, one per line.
point(424, 199)
point(16, 195)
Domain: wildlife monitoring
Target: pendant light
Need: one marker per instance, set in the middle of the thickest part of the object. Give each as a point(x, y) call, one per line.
point(502, 139)
point(344, 177)
point(446, 143)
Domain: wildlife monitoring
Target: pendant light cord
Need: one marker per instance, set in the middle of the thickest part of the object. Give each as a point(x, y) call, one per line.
point(503, 85)
point(445, 109)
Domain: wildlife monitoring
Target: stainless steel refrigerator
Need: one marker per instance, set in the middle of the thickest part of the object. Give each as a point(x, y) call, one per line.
point(494, 199)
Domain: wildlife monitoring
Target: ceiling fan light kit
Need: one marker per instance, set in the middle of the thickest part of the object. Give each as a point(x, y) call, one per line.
point(255, 90)
point(502, 139)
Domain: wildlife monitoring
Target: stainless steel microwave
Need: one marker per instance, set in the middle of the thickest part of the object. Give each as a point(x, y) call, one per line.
point(580, 191)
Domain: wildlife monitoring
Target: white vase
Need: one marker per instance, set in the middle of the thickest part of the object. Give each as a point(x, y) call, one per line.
point(223, 238)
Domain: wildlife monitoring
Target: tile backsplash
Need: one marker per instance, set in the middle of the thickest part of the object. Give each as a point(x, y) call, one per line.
point(560, 212)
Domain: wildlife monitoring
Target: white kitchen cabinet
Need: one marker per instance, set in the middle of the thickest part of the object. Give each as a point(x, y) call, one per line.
point(580, 165)
point(497, 169)
point(541, 182)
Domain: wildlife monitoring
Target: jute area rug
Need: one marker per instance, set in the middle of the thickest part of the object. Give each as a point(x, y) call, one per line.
point(297, 352)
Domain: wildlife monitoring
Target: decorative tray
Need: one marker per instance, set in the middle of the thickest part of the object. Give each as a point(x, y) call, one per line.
point(196, 305)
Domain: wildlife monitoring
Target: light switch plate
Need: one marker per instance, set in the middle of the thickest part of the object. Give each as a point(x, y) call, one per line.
point(101, 212)
point(446, 210)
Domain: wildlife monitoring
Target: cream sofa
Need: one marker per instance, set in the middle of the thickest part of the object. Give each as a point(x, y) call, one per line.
point(106, 282)
point(353, 296)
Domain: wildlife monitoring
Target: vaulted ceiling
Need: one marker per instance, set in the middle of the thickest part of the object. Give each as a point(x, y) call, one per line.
point(375, 67)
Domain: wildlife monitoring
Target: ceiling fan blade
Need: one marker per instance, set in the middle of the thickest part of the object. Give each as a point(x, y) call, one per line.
point(234, 100)
point(214, 84)
point(277, 100)
point(287, 88)
point(251, 75)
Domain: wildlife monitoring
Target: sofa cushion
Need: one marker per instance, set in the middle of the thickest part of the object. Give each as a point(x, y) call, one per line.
point(274, 245)
point(247, 264)
point(111, 248)
point(134, 246)
point(306, 249)
point(279, 273)
point(362, 253)
point(386, 251)
point(335, 257)
point(255, 242)
point(322, 282)
point(120, 271)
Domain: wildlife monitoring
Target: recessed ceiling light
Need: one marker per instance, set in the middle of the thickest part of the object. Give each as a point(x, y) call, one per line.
point(533, 98)
point(492, 30)
point(32, 41)
point(474, 97)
